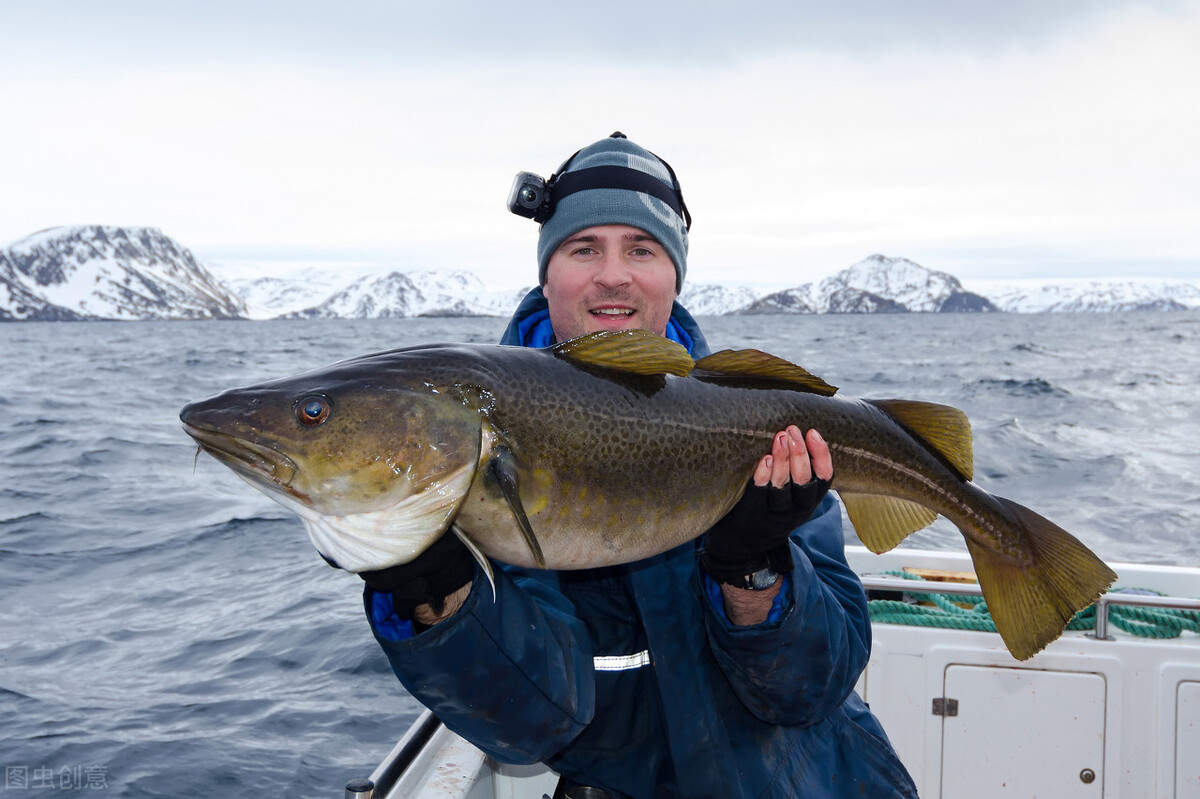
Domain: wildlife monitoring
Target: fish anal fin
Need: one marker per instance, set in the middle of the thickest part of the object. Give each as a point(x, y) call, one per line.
point(882, 522)
point(1033, 599)
point(762, 366)
point(635, 351)
point(480, 558)
point(502, 467)
point(945, 429)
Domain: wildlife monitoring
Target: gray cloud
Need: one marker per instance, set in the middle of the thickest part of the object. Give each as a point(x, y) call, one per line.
point(536, 32)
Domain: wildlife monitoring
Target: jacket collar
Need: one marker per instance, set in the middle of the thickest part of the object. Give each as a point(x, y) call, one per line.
point(530, 326)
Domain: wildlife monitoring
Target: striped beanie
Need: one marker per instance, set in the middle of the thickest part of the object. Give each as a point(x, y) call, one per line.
point(616, 182)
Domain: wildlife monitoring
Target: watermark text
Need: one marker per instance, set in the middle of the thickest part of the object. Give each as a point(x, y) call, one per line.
point(47, 778)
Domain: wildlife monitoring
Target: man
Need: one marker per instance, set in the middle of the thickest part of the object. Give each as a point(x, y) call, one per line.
point(722, 668)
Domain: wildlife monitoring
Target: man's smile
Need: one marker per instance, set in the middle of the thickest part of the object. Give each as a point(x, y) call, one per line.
point(617, 312)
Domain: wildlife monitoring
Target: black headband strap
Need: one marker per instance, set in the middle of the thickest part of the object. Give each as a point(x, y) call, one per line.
point(618, 177)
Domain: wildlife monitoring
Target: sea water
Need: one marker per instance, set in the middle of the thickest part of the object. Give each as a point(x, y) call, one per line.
point(166, 630)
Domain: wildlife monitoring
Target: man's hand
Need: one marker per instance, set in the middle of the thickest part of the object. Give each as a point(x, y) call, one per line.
point(432, 586)
point(785, 489)
point(795, 459)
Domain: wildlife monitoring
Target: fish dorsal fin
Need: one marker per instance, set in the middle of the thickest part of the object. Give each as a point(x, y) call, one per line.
point(757, 365)
point(636, 351)
point(946, 430)
point(883, 522)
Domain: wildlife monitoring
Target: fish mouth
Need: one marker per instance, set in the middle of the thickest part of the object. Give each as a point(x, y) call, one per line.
point(252, 460)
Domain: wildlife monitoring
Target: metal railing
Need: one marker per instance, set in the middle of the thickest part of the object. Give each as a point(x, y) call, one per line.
point(387, 773)
point(1106, 600)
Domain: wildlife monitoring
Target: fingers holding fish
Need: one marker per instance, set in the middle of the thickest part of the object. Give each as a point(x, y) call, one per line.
point(777, 466)
point(818, 451)
point(795, 457)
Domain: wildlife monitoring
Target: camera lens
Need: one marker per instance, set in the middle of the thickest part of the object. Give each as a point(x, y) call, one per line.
point(530, 197)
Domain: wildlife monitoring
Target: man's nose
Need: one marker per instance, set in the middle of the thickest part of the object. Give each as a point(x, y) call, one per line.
point(613, 270)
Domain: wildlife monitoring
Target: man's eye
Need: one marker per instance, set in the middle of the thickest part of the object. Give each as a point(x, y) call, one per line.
point(585, 251)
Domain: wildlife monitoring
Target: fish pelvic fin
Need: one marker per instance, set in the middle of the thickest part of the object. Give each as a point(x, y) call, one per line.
point(754, 365)
point(1032, 602)
point(480, 558)
point(635, 351)
point(943, 429)
point(882, 522)
point(502, 467)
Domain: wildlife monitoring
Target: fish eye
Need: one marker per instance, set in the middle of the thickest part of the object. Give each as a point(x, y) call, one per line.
point(312, 411)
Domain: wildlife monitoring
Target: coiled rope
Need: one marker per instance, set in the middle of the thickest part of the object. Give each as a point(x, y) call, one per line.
point(971, 613)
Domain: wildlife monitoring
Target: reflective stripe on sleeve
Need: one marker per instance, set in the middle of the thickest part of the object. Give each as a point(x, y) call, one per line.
point(622, 662)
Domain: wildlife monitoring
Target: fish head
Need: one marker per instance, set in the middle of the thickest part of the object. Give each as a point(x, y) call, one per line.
point(375, 466)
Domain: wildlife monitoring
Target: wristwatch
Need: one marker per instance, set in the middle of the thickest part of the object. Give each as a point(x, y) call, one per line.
point(760, 580)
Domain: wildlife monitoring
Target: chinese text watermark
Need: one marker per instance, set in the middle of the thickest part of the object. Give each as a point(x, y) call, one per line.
point(64, 778)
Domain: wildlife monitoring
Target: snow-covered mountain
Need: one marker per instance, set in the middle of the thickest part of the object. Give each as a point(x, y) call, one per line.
point(270, 297)
point(709, 299)
point(100, 272)
point(1034, 296)
point(879, 284)
point(401, 294)
point(97, 272)
point(788, 301)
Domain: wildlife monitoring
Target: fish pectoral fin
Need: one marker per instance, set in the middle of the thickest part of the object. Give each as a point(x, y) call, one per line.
point(946, 430)
point(756, 365)
point(502, 467)
point(480, 558)
point(635, 351)
point(882, 522)
point(1032, 600)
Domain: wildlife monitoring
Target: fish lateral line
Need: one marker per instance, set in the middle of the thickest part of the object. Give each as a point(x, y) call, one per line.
point(881, 520)
point(872, 527)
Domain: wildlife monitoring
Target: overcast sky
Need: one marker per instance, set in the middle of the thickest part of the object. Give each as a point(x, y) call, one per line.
point(989, 140)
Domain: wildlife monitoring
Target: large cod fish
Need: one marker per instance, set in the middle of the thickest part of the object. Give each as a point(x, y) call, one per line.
point(610, 448)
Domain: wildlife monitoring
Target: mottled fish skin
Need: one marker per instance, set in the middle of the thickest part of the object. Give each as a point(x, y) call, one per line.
point(618, 467)
point(577, 457)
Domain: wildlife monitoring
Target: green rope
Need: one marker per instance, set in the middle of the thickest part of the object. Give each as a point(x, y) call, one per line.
point(949, 612)
point(1154, 622)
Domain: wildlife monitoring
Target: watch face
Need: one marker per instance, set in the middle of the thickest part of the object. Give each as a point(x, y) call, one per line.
point(762, 579)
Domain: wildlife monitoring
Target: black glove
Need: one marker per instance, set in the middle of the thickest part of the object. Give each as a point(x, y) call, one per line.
point(754, 534)
point(428, 578)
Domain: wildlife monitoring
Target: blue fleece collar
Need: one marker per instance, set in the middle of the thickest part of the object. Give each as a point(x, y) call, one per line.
point(530, 326)
point(535, 331)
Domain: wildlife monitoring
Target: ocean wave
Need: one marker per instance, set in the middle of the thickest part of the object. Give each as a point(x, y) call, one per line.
point(1031, 387)
point(1032, 348)
point(32, 517)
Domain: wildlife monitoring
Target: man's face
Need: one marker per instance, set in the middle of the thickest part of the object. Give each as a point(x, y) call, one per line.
point(609, 277)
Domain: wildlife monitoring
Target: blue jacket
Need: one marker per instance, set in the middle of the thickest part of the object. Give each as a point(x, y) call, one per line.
point(632, 679)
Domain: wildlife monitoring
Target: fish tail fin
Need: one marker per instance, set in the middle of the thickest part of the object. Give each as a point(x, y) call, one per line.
point(1032, 603)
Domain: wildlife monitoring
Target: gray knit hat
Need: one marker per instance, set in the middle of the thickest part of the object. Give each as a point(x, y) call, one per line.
point(655, 205)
